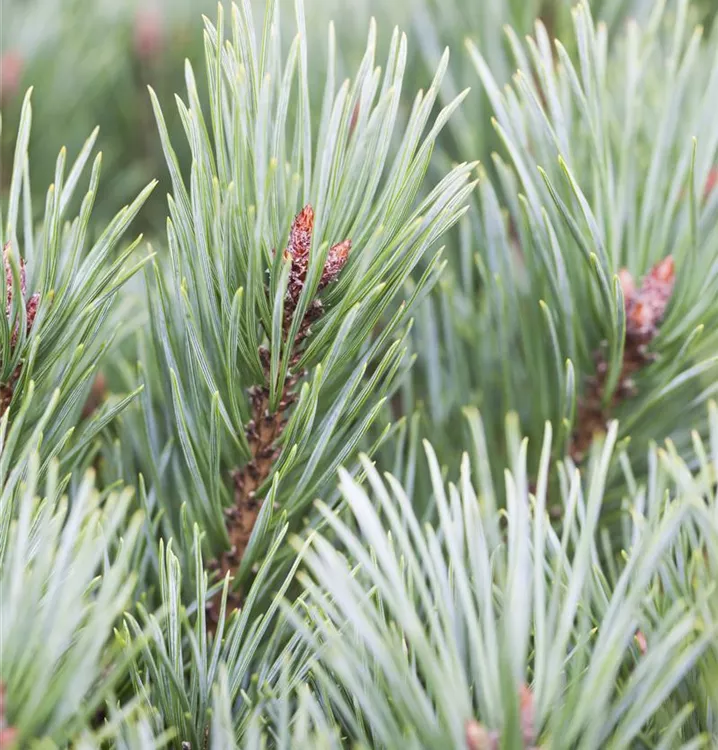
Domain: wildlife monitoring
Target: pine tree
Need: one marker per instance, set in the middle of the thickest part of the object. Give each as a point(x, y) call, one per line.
point(398, 429)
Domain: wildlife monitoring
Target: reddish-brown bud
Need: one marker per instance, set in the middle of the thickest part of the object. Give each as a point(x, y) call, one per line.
point(300, 235)
point(338, 256)
point(297, 253)
point(628, 286)
point(646, 306)
point(31, 309)
point(663, 272)
point(9, 280)
point(30, 306)
point(148, 34)
point(478, 737)
point(640, 319)
point(11, 67)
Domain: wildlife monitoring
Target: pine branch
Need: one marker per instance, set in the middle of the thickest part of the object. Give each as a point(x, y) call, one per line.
point(532, 310)
point(60, 290)
point(283, 345)
point(266, 424)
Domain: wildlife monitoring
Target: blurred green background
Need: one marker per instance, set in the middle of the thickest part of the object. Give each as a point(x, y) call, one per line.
point(90, 62)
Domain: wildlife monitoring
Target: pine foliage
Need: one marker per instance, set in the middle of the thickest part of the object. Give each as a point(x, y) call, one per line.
point(486, 629)
point(294, 329)
point(399, 427)
point(622, 197)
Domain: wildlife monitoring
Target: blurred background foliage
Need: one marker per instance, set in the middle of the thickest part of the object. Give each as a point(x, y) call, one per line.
point(90, 62)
